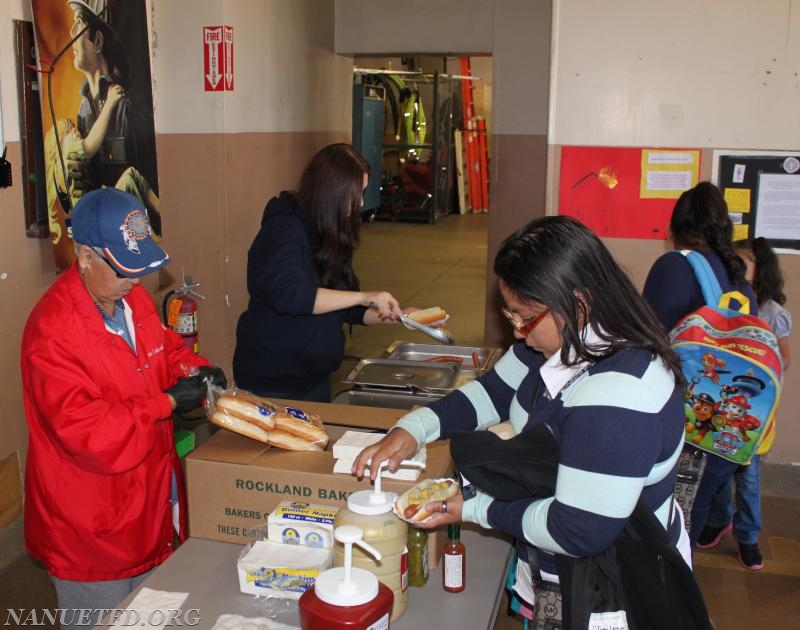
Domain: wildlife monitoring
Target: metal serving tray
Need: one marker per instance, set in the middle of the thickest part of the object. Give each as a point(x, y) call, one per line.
point(385, 398)
point(407, 351)
point(412, 376)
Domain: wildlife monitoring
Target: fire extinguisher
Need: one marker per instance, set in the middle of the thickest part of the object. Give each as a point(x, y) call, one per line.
point(179, 312)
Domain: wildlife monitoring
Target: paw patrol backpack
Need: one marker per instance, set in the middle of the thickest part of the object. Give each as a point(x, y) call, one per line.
point(732, 367)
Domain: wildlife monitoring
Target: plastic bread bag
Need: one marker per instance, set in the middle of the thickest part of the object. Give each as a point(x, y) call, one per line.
point(273, 570)
point(260, 419)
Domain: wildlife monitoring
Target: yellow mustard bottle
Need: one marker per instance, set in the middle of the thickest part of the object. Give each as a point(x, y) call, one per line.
point(371, 510)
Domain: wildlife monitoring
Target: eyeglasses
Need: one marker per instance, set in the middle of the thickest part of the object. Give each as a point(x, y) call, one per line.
point(524, 326)
point(106, 261)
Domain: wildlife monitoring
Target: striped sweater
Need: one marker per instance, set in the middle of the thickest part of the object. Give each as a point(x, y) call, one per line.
point(619, 423)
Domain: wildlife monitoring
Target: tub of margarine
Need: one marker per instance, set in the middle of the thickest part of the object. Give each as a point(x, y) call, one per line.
point(299, 523)
point(273, 569)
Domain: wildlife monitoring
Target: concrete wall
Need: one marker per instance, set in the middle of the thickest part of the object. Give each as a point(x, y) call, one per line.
point(220, 155)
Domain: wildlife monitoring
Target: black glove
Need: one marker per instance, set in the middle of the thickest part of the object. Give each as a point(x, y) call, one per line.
point(188, 393)
point(214, 375)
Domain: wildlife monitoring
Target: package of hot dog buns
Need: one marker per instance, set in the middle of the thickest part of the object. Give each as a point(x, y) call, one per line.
point(410, 506)
point(260, 419)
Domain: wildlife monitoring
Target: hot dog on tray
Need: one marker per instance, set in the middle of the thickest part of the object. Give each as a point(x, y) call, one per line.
point(410, 506)
point(258, 418)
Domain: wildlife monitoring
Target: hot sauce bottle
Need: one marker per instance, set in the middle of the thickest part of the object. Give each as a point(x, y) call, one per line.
point(454, 561)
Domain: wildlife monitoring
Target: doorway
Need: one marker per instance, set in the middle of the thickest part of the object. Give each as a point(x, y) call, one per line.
point(419, 240)
point(424, 123)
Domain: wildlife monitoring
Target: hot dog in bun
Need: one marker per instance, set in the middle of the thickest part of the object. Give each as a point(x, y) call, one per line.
point(429, 316)
point(410, 506)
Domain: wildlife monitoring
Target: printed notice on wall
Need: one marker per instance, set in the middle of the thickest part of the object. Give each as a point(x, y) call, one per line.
point(666, 174)
point(778, 207)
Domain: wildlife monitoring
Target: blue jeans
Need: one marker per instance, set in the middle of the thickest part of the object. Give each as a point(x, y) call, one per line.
point(747, 518)
point(718, 473)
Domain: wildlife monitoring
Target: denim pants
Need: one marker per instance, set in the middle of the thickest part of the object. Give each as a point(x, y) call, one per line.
point(747, 518)
point(718, 472)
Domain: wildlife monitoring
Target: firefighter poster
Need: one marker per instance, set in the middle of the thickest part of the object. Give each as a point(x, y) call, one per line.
point(97, 107)
point(625, 192)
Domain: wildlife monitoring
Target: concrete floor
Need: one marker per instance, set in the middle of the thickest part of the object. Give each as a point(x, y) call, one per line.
point(444, 265)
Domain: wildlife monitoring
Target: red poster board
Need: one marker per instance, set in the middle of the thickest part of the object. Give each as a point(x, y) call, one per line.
point(603, 187)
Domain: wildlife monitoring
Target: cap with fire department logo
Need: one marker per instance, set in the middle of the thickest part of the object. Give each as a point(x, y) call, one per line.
point(116, 222)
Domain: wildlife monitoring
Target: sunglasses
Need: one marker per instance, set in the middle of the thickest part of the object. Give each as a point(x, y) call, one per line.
point(106, 261)
point(524, 326)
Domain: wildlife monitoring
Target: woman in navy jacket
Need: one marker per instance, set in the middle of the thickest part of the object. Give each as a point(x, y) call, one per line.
point(302, 285)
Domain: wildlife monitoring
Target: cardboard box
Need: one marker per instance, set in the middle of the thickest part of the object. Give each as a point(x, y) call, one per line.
point(233, 482)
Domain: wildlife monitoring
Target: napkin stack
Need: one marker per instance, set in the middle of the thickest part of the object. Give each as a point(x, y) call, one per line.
point(347, 448)
point(151, 608)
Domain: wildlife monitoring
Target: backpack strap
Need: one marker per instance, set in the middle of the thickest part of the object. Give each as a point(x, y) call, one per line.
point(705, 275)
point(709, 285)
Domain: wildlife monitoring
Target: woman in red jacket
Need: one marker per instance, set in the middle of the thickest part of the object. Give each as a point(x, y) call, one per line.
point(101, 377)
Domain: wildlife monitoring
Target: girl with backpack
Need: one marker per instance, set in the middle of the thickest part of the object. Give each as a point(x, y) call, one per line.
point(699, 222)
point(764, 275)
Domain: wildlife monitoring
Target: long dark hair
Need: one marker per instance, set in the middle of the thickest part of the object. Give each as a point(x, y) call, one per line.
point(331, 190)
point(767, 275)
point(559, 263)
point(700, 219)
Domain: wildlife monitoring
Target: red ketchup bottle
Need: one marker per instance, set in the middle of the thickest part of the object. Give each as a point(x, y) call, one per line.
point(346, 597)
point(454, 561)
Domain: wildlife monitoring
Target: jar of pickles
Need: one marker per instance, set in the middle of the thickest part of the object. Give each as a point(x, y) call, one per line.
point(417, 556)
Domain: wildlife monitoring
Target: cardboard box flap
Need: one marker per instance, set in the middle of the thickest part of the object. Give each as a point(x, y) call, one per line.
point(322, 463)
point(349, 415)
point(228, 446)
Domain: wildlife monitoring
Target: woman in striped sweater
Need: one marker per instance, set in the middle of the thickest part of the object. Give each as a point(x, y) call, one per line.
point(591, 362)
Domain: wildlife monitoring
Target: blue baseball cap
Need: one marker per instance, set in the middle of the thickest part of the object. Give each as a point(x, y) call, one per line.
point(116, 222)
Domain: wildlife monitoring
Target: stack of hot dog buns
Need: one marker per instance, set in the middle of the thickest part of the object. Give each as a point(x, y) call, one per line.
point(428, 316)
point(259, 419)
point(410, 506)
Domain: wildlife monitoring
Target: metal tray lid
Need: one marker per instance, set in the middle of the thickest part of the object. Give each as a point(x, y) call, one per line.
point(405, 375)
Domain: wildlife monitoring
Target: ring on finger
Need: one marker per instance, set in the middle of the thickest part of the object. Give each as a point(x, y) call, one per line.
point(444, 507)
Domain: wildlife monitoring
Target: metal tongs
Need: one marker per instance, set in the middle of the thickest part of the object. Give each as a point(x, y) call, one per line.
point(442, 335)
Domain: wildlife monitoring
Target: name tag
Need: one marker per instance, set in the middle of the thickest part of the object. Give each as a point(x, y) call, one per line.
point(608, 621)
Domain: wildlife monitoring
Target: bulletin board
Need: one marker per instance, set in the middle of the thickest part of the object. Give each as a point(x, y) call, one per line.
point(762, 190)
point(625, 192)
